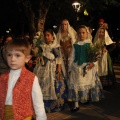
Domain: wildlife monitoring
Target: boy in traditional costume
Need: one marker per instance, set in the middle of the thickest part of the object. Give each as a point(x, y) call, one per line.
point(20, 93)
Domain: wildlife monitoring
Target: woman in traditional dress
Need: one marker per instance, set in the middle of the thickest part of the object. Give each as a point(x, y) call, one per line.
point(66, 37)
point(49, 73)
point(105, 66)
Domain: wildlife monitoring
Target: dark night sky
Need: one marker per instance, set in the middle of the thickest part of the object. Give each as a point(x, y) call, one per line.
point(111, 17)
point(10, 17)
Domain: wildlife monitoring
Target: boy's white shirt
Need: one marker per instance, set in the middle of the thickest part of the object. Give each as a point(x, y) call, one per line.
point(37, 96)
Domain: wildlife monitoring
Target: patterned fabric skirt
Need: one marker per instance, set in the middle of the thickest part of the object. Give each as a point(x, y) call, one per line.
point(109, 79)
point(8, 115)
point(57, 105)
point(53, 90)
point(90, 93)
point(84, 88)
point(46, 77)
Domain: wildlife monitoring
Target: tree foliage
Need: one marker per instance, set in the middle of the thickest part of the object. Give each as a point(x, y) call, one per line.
point(43, 13)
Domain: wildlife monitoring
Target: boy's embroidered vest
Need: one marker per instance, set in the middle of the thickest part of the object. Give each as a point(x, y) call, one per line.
point(22, 95)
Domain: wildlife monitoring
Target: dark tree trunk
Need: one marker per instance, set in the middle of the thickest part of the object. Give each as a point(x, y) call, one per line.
point(35, 13)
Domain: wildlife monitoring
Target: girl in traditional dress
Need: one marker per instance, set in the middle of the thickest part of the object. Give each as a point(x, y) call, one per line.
point(50, 75)
point(105, 66)
point(83, 87)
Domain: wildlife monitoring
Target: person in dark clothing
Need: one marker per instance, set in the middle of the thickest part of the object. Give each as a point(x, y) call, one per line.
point(3, 64)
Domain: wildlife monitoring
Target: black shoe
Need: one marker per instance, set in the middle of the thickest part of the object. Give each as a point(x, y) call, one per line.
point(75, 110)
point(86, 103)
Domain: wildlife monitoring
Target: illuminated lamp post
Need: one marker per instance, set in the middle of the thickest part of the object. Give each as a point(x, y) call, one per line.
point(76, 6)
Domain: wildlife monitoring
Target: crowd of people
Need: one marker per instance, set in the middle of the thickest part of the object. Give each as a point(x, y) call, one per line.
point(62, 71)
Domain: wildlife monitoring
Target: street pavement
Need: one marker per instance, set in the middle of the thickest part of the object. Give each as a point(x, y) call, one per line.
point(106, 109)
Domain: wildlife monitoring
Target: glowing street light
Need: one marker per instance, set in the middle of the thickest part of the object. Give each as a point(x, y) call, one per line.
point(76, 6)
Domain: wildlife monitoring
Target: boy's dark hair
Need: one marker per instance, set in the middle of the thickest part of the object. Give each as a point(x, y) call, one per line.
point(22, 45)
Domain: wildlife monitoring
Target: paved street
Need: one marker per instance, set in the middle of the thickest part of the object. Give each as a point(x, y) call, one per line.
point(107, 109)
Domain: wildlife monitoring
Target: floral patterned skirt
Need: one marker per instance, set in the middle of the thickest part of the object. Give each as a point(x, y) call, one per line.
point(84, 88)
point(57, 105)
point(109, 79)
point(90, 93)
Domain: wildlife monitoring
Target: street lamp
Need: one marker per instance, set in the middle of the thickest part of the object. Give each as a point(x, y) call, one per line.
point(55, 28)
point(76, 6)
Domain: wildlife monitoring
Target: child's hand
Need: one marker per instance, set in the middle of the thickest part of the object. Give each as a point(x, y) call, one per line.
point(90, 66)
point(104, 50)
